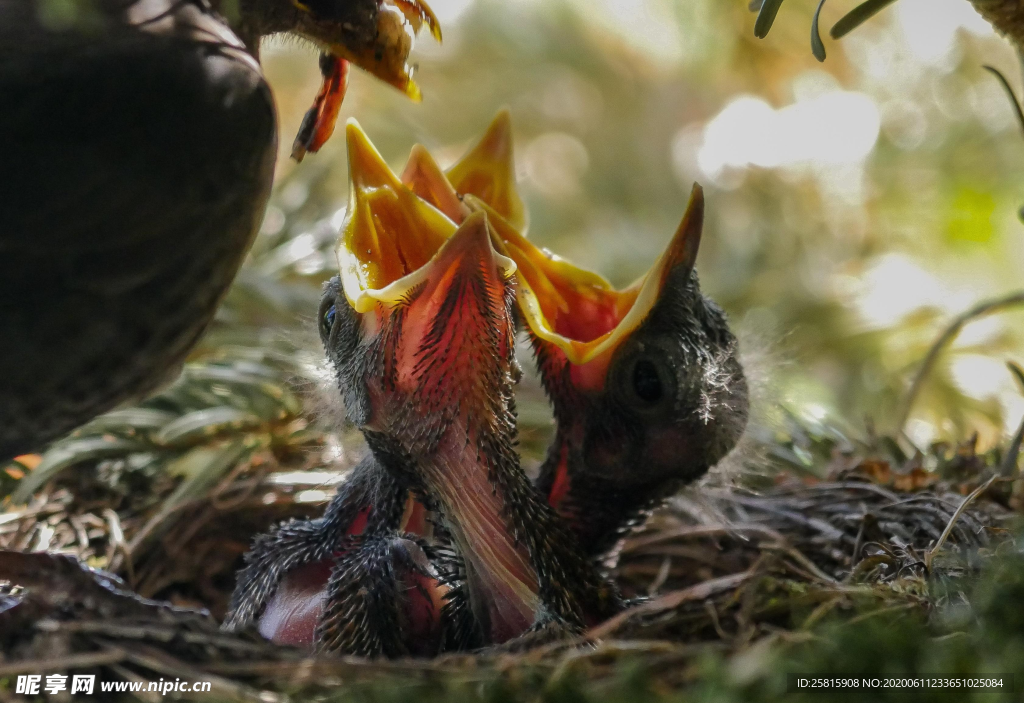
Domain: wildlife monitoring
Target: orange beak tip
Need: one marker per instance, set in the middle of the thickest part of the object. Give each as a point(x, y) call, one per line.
point(487, 171)
point(367, 168)
point(412, 89)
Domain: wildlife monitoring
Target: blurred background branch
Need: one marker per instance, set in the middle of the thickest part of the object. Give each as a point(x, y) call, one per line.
point(855, 205)
point(949, 334)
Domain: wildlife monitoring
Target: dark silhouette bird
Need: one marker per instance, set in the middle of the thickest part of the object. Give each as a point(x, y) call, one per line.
point(598, 509)
point(137, 139)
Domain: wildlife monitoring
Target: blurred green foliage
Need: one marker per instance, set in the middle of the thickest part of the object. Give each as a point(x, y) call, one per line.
point(840, 266)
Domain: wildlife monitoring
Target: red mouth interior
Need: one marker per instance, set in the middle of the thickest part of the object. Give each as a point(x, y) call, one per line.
point(590, 312)
point(589, 316)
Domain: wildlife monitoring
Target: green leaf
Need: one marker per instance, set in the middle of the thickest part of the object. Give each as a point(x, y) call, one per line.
point(766, 17)
point(895, 451)
point(1009, 466)
point(1009, 92)
point(858, 16)
point(202, 424)
point(229, 374)
point(202, 467)
point(249, 390)
point(206, 467)
point(1018, 373)
point(70, 453)
point(817, 48)
point(129, 419)
point(186, 396)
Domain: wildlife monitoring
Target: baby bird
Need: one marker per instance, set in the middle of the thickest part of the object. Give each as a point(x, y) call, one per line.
point(426, 367)
point(598, 509)
point(428, 376)
point(645, 383)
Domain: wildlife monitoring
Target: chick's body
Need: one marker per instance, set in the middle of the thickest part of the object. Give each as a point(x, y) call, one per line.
point(651, 405)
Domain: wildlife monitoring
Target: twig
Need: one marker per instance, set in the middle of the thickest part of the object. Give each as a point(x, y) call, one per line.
point(117, 548)
point(1009, 91)
point(64, 662)
point(167, 665)
point(699, 531)
point(948, 335)
point(800, 558)
point(881, 611)
point(952, 521)
point(1009, 467)
point(669, 601)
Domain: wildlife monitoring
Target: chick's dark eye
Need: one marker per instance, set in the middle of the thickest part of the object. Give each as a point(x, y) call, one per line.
point(646, 382)
point(329, 315)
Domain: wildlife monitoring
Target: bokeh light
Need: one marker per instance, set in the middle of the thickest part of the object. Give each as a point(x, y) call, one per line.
point(855, 206)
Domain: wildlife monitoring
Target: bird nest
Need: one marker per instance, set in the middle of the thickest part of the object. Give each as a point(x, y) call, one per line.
point(169, 498)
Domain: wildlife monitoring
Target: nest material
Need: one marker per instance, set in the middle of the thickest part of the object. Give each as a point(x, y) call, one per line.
point(170, 499)
point(725, 567)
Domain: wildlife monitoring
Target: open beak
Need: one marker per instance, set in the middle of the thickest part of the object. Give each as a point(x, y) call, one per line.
point(434, 303)
point(393, 241)
point(576, 310)
point(487, 172)
point(383, 51)
point(460, 304)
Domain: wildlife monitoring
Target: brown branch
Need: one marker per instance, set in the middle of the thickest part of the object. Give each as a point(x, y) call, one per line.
point(1007, 16)
point(946, 338)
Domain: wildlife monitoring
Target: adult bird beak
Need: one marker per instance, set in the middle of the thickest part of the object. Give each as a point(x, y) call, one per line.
point(384, 51)
point(379, 44)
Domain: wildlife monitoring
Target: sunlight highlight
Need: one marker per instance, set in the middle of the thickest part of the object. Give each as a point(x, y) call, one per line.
point(448, 11)
point(978, 376)
point(833, 128)
point(896, 286)
point(930, 27)
point(647, 26)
